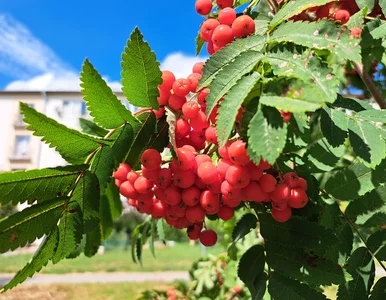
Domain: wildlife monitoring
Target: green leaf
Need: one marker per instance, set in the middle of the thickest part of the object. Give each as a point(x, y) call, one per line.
point(334, 125)
point(122, 143)
point(153, 233)
point(244, 226)
point(357, 19)
point(39, 185)
point(291, 104)
point(293, 8)
point(70, 231)
point(377, 244)
point(382, 4)
point(227, 77)
point(103, 105)
point(199, 44)
point(261, 26)
point(161, 230)
point(160, 138)
point(33, 222)
point(102, 166)
point(91, 128)
point(267, 135)
point(249, 112)
point(87, 195)
point(284, 288)
point(370, 209)
point(372, 115)
point(72, 145)
point(367, 142)
point(319, 35)
point(287, 62)
point(228, 110)
point(93, 241)
point(251, 271)
point(140, 72)
point(352, 104)
point(226, 55)
point(366, 3)
point(379, 32)
point(134, 239)
point(379, 289)
point(40, 259)
point(115, 204)
point(361, 267)
point(354, 181)
point(106, 218)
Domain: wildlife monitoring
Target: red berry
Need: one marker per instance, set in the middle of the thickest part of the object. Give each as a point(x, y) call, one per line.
point(286, 116)
point(238, 153)
point(303, 184)
point(164, 178)
point(204, 7)
point(281, 193)
point(223, 152)
point(197, 67)
point(184, 178)
point(152, 174)
point(122, 172)
point(172, 195)
point(182, 127)
point(117, 182)
point(222, 35)
point(207, 172)
point(202, 95)
point(189, 147)
point(159, 210)
point(181, 87)
point(191, 196)
point(197, 137)
point(211, 135)
point(163, 97)
point(208, 238)
point(186, 158)
point(179, 209)
point(159, 113)
point(127, 190)
point(231, 202)
point(253, 192)
point(195, 214)
point(279, 205)
point(342, 15)
point(209, 48)
point(264, 165)
point(215, 187)
point(267, 183)
point(159, 193)
point(254, 171)
point(282, 215)
point(243, 26)
point(231, 192)
point(224, 3)
point(199, 122)
point(151, 159)
point(199, 184)
point(132, 176)
point(132, 202)
point(193, 232)
point(143, 185)
point(168, 79)
point(291, 179)
point(210, 202)
point(190, 109)
point(298, 198)
point(226, 213)
point(207, 29)
point(176, 102)
point(237, 176)
point(201, 158)
point(193, 81)
point(145, 206)
point(222, 167)
point(227, 16)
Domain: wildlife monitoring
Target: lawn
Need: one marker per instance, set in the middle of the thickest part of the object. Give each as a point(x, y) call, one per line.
point(177, 258)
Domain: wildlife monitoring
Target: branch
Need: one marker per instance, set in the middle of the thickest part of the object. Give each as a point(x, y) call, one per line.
point(273, 5)
point(368, 81)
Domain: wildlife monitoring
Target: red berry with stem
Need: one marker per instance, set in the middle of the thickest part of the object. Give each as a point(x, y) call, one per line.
point(226, 213)
point(243, 26)
point(191, 196)
point(181, 87)
point(190, 110)
point(182, 128)
point(267, 183)
point(208, 238)
point(168, 79)
point(195, 214)
point(204, 7)
point(207, 29)
point(197, 67)
point(342, 15)
point(227, 16)
point(211, 135)
point(282, 215)
point(207, 172)
point(151, 159)
point(303, 184)
point(281, 193)
point(193, 81)
point(143, 185)
point(224, 3)
point(122, 171)
point(176, 102)
point(291, 179)
point(238, 153)
point(298, 198)
point(184, 178)
point(172, 195)
point(199, 122)
point(237, 176)
point(222, 35)
point(127, 190)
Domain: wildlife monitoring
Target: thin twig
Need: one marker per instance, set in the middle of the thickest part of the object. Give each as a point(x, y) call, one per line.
point(368, 81)
point(273, 5)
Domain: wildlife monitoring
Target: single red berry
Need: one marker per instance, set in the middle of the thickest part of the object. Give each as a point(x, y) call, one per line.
point(202, 95)
point(215, 187)
point(176, 102)
point(122, 171)
point(145, 206)
point(191, 196)
point(182, 127)
point(223, 152)
point(224, 3)
point(210, 202)
point(199, 122)
point(201, 158)
point(208, 238)
point(279, 205)
point(267, 183)
point(243, 26)
point(291, 179)
point(186, 158)
point(207, 29)
point(230, 202)
point(237, 176)
point(195, 214)
point(159, 210)
point(231, 192)
point(189, 147)
point(222, 35)
point(298, 198)
point(143, 185)
point(151, 174)
point(227, 16)
point(184, 178)
point(254, 171)
point(197, 137)
point(117, 182)
point(170, 214)
point(168, 79)
point(253, 192)
point(282, 215)
point(211, 135)
point(172, 195)
point(226, 213)
point(181, 87)
point(179, 209)
point(193, 232)
point(197, 67)
point(204, 7)
point(214, 114)
point(222, 167)
point(127, 190)
point(132, 202)
point(159, 193)
point(190, 110)
point(207, 172)
point(159, 113)
point(303, 184)
point(210, 48)
point(237, 152)
point(281, 193)
point(151, 159)
point(164, 178)
point(132, 176)
point(264, 165)
point(163, 97)
point(342, 15)
point(193, 81)
point(286, 116)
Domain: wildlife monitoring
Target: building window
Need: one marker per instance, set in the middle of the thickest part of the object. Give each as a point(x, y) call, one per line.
point(84, 109)
point(22, 147)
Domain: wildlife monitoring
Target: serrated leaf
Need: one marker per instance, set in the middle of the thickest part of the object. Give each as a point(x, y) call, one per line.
point(33, 222)
point(79, 249)
point(115, 203)
point(361, 267)
point(103, 105)
point(251, 271)
point(199, 44)
point(122, 143)
point(334, 126)
point(293, 8)
point(377, 244)
point(244, 226)
point(226, 55)
point(39, 185)
point(290, 104)
point(72, 145)
point(261, 26)
point(295, 263)
point(372, 115)
point(367, 142)
point(370, 209)
point(379, 289)
point(228, 110)
point(70, 231)
point(91, 128)
point(106, 219)
point(93, 241)
point(87, 195)
point(267, 135)
point(229, 75)
point(352, 104)
point(379, 32)
point(140, 72)
point(40, 259)
point(284, 288)
point(288, 63)
point(160, 139)
point(354, 181)
point(366, 3)
point(250, 110)
point(161, 230)
point(102, 166)
point(319, 35)
point(357, 19)
point(153, 233)
point(134, 239)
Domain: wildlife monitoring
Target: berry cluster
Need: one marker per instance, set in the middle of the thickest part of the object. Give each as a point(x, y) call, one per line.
point(222, 31)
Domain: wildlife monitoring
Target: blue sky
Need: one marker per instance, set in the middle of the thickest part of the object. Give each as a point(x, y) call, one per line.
point(55, 36)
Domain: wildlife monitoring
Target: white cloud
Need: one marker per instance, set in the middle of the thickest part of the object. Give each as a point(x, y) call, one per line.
point(180, 64)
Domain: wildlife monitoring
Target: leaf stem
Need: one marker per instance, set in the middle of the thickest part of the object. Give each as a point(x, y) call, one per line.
point(273, 5)
point(368, 81)
point(141, 111)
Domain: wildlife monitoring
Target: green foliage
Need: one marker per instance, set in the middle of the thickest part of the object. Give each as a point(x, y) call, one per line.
point(377, 244)
point(91, 128)
point(140, 72)
point(379, 290)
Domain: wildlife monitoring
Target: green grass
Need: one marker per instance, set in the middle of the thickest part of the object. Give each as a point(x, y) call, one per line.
point(178, 258)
